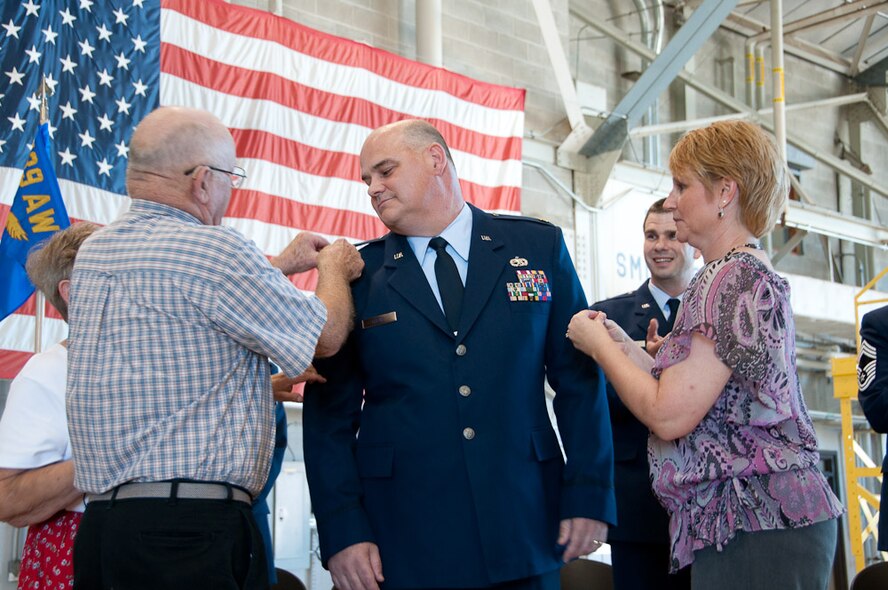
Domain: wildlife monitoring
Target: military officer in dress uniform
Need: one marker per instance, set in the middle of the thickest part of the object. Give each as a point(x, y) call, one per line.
point(640, 542)
point(872, 387)
point(446, 472)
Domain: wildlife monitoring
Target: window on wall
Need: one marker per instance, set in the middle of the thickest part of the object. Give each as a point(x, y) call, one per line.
point(782, 234)
point(790, 232)
point(725, 75)
point(829, 464)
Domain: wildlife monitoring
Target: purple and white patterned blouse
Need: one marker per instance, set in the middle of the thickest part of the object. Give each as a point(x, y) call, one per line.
point(752, 462)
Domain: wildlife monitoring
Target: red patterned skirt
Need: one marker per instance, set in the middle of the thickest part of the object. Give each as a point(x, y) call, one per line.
point(48, 556)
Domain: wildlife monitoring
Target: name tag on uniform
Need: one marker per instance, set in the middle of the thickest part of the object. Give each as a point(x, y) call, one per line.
point(379, 320)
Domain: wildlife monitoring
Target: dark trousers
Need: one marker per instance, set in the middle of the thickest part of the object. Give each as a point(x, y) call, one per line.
point(788, 559)
point(171, 544)
point(547, 581)
point(641, 566)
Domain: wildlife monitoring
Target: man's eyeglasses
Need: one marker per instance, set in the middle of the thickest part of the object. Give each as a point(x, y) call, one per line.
point(236, 175)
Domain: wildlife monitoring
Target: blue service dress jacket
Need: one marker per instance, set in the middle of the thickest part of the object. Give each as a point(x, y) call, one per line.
point(448, 461)
point(872, 392)
point(641, 517)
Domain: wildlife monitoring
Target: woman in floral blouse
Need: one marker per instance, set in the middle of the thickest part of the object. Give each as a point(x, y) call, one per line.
point(733, 451)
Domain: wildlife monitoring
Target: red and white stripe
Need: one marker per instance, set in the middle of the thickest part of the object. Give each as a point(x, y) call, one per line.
point(299, 104)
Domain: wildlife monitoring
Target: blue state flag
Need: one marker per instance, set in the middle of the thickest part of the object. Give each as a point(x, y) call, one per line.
point(37, 212)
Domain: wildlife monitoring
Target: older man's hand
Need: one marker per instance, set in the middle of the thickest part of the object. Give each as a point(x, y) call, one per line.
point(340, 256)
point(301, 254)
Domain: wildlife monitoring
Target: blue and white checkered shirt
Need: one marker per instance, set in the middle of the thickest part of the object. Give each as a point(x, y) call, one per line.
point(171, 322)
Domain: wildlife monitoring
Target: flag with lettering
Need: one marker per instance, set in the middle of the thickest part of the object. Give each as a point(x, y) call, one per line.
point(298, 102)
point(37, 212)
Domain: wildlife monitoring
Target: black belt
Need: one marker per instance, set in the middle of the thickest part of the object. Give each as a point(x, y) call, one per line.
point(174, 490)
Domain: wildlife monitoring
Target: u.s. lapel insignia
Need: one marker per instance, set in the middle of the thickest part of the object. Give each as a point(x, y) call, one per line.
point(518, 262)
point(398, 255)
point(485, 238)
point(532, 285)
point(645, 305)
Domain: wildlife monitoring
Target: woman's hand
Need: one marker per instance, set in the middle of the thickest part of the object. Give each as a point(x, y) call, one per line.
point(618, 335)
point(592, 331)
point(588, 333)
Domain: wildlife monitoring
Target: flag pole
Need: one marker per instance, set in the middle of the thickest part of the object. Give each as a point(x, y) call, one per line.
point(39, 299)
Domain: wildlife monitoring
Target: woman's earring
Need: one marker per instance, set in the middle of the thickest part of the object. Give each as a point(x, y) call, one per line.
point(721, 211)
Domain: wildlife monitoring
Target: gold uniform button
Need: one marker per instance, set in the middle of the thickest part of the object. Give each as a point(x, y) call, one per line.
point(465, 390)
point(461, 350)
point(468, 433)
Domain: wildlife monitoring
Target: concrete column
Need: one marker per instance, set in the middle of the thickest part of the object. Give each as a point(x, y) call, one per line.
point(777, 70)
point(429, 47)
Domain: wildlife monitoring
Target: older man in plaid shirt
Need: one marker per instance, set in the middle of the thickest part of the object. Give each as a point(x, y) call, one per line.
point(173, 319)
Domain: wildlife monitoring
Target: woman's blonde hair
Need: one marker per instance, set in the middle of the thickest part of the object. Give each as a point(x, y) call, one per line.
point(52, 261)
point(743, 152)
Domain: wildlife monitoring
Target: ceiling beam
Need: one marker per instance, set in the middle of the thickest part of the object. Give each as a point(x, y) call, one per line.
point(614, 132)
point(729, 101)
point(831, 60)
point(861, 44)
point(853, 10)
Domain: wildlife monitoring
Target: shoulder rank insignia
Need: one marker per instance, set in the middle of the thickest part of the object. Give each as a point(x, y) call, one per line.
point(866, 365)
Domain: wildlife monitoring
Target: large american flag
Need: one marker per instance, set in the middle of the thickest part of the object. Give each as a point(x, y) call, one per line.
point(299, 104)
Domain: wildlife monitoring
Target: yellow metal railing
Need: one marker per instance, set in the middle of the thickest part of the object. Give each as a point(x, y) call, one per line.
point(860, 499)
point(862, 503)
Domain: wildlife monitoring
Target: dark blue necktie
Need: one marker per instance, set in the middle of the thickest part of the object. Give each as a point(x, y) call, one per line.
point(449, 284)
point(672, 304)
